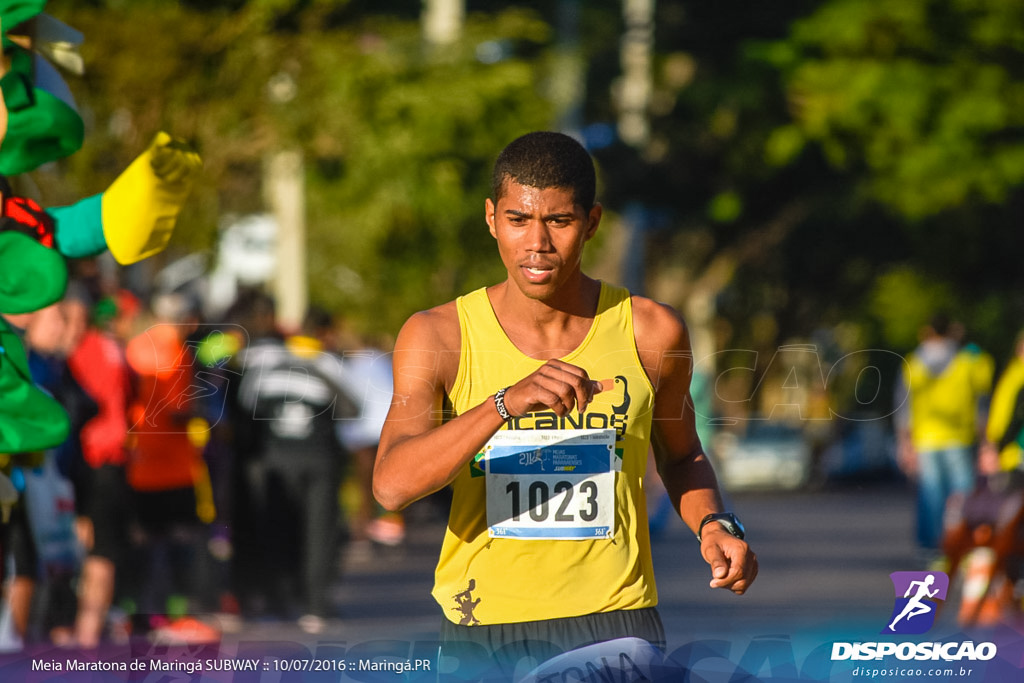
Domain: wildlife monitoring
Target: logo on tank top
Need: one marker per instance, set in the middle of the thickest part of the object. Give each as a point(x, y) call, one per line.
point(616, 417)
point(465, 604)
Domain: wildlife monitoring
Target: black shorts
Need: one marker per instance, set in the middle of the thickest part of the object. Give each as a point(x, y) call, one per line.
point(499, 648)
point(21, 545)
point(166, 513)
point(109, 508)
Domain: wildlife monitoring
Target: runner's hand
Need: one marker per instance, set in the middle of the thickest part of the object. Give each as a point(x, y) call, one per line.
point(555, 386)
point(733, 563)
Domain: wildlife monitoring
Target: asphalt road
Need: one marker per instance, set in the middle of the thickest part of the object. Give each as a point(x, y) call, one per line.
point(825, 559)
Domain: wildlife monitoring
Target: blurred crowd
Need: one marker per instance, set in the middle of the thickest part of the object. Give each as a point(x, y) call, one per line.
point(214, 468)
point(960, 427)
point(219, 468)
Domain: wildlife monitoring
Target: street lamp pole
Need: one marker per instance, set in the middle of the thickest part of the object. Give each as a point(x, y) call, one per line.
point(284, 193)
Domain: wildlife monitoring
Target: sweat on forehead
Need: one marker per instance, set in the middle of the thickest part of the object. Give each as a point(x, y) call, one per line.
point(544, 160)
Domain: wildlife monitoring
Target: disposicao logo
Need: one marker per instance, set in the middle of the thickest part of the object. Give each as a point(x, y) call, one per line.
point(916, 596)
point(913, 613)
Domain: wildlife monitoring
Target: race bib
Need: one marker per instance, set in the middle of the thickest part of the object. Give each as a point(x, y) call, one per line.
point(555, 484)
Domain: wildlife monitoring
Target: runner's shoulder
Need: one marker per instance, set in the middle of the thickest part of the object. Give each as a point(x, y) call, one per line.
point(660, 326)
point(435, 329)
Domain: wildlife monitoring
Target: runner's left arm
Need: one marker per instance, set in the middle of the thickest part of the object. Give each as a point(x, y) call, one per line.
point(684, 467)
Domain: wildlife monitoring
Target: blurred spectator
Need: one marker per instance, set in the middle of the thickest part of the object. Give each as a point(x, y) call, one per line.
point(1004, 433)
point(983, 529)
point(165, 468)
point(946, 390)
point(52, 518)
point(19, 549)
point(40, 544)
point(217, 349)
point(102, 496)
point(294, 390)
point(253, 316)
point(368, 378)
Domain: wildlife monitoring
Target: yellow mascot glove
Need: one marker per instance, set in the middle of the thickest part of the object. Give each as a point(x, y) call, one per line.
point(141, 207)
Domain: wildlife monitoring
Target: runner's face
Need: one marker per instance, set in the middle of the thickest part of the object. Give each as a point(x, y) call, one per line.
point(540, 235)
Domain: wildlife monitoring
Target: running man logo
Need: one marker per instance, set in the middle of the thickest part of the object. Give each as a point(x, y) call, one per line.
point(916, 606)
point(465, 604)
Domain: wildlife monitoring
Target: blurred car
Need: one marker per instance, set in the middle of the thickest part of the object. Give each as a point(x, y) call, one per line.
point(771, 454)
point(762, 454)
point(863, 448)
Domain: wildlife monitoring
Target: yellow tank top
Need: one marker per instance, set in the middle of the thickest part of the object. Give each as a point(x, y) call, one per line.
point(485, 580)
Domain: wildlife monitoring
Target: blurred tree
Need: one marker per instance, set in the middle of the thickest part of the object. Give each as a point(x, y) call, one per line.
point(801, 150)
point(399, 142)
point(714, 219)
point(802, 156)
point(926, 95)
point(919, 103)
point(396, 207)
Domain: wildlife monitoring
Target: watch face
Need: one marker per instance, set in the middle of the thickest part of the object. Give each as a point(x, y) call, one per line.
point(733, 524)
point(728, 520)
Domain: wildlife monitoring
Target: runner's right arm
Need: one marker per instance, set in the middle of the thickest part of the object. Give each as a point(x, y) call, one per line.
point(419, 454)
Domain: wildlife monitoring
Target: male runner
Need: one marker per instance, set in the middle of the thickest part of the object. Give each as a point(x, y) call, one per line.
point(536, 399)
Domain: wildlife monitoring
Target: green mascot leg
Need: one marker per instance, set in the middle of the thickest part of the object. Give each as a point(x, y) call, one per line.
point(30, 419)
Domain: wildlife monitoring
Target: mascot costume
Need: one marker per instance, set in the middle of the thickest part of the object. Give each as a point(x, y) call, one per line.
point(133, 218)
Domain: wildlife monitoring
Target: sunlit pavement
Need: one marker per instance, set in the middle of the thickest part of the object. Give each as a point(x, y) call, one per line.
point(825, 560)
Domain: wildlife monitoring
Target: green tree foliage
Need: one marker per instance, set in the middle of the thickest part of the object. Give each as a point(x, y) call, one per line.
point(729, 227)
point(926, 95)
point(398, 140)
point(919, 104)
point(805, 156)
point(404, 162)
point(801, 152)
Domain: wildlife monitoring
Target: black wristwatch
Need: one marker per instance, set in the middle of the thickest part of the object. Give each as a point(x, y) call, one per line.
point(728, 520)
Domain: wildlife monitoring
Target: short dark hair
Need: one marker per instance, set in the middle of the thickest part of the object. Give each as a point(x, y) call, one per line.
point(317, 321)
point(941, 323)
point(545, 159)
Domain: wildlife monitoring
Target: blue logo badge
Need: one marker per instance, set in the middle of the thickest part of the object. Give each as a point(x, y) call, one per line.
point(916, 596)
